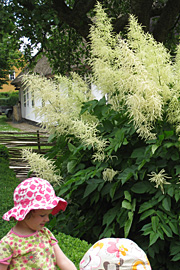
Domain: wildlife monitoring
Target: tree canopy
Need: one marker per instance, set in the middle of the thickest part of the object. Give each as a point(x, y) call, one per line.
point(61, 28)
point(9, 54)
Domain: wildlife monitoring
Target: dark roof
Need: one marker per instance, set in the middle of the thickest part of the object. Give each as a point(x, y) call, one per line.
point(42, 67)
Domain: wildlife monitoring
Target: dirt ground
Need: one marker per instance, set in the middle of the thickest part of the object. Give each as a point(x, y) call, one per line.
point(24, 126)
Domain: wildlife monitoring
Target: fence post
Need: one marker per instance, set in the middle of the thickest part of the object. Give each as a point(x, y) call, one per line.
point(38, 141)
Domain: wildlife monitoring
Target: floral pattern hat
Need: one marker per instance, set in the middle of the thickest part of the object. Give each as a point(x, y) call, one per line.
point(115, 254)
point(34, 193)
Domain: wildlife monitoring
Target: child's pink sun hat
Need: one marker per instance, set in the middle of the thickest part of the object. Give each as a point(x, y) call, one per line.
point(31, 194)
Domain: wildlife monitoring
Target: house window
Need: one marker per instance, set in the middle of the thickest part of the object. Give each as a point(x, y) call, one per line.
point(24, 96)
point(27, 99)
point(12, 75)
point(32, 99)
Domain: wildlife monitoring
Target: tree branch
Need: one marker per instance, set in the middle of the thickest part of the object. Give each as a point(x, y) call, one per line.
point(76, 17)
point(167, 20)
point(142, 10)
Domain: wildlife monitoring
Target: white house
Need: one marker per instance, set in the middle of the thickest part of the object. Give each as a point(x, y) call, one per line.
point(27, 102)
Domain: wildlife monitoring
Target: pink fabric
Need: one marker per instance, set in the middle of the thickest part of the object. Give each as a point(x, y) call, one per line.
point(34, 193)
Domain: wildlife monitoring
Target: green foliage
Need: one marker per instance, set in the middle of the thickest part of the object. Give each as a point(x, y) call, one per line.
point(61, 28)
point(4, 126)
point(4, 152)
point(129, 205)
point(74, 248)
point(8, 182)
point(9, 98)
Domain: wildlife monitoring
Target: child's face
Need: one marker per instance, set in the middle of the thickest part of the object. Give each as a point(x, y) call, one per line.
point(37, 219)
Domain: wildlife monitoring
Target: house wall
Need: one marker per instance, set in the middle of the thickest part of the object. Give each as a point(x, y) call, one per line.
point(9, 87)
point(28, 103)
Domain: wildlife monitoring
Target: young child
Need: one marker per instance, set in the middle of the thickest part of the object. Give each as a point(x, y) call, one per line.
point(29, 244)
point(115, 254)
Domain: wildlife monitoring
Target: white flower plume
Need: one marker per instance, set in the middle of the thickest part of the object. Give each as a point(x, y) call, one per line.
point(43, 167)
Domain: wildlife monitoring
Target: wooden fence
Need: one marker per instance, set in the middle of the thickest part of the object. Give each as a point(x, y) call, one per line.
point(16, 141)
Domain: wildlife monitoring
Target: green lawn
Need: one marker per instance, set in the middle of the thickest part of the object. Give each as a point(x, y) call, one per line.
point(4, 126)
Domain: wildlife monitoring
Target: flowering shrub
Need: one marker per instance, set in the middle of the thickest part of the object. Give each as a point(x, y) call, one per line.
point(119, 156)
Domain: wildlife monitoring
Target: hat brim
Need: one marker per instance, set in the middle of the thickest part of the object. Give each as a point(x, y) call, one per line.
point(19, 214)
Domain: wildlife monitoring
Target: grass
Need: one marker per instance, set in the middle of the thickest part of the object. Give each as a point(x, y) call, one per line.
point(4, 126)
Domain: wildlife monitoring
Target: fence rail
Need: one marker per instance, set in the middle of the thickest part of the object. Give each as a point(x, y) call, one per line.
point(16, 141)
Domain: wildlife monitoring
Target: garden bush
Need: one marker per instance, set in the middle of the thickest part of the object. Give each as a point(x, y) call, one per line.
point(8, 182)
point(9, 98)
point(74, 248)
point(4, 152)
point(133, 203)
point(119, 156)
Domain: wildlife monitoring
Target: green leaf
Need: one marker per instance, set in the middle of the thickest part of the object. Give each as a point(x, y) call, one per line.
point(155, 223)
point(110, 215)
point(71, 147)
point(133, 207)
point(166, 203)
point(71, 165)
point(142, 164)
point(177, 167)
point(176, 258)
point(170, 191)
point(160, 233)
point(174, 227)
point(89, 189)
point(147, 214)
point(153, 238)
point(113, 189)
point(168, 133)
point(126, 205)
point(177, 195)
point(125, 175)
point(138, 152)
point(127, 195)
point(141, 187)
point(154, 148)
point(166, 229)
point(128, 224)
point(146, 205)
